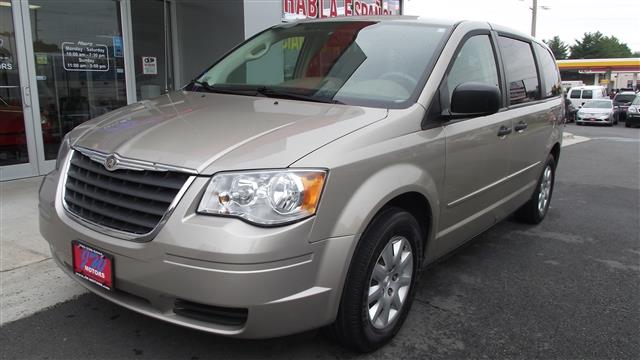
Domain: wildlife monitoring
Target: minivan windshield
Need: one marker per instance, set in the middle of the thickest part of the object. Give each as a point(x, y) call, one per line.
point(636, 101)
point(598, 104)
point(367, 63)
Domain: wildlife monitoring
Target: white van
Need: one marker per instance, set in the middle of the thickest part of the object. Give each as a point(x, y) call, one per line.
point(581, 94)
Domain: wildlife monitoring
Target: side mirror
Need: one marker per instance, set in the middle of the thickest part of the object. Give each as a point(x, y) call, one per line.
point(475, 99)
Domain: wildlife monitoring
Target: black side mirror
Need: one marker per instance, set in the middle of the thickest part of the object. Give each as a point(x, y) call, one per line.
point(475, 99)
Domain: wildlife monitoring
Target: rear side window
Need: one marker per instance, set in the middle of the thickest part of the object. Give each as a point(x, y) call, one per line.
point(520, 68)
point(552, 83)
point(474, 63)
point(587, 94)
point(575, 94)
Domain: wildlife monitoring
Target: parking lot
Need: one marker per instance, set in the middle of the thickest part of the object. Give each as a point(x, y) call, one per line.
point(566, 289)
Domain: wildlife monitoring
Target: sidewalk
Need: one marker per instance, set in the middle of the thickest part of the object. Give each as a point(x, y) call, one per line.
point(29, 279)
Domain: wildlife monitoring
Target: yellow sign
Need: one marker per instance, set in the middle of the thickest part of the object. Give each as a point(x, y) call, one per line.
point(42, 59)
point(604, 81)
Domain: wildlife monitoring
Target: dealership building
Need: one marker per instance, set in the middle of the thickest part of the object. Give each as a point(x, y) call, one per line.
point(65, 62)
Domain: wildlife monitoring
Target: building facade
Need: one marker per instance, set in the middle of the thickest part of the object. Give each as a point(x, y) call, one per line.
point(64, 62)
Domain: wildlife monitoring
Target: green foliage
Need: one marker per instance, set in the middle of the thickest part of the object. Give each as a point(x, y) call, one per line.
point(597, 46)
point(559, 48)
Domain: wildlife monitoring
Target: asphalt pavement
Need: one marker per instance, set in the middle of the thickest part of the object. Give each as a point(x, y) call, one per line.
point(566, 289)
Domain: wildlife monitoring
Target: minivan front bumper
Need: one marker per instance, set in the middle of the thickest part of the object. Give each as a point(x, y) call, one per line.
point(275, 277)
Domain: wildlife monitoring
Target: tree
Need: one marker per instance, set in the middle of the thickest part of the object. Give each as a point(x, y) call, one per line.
point(559, 48)
point(597, 46)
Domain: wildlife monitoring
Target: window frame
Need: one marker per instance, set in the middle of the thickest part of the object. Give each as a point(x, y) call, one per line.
point(440, 101)
point(536, 61)
point(543, 84)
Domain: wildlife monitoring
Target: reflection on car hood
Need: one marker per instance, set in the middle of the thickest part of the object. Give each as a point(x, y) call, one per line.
point(212, 132)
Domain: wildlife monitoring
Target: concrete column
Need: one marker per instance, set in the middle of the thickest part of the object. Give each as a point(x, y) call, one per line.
point(261, 14)
point(596, 79)
point(635, 81)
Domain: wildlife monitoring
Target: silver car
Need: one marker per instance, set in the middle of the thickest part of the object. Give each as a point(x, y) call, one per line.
point(598, 112)
point(306, 178)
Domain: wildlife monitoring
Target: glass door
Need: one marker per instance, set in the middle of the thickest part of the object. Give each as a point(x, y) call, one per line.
point(77, 62)
point(17, 146)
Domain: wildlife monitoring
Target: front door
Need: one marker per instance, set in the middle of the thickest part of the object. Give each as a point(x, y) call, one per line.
point(18, 156)
point(477, 151)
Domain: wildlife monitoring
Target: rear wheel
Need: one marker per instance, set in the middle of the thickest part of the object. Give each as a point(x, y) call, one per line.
point(380, 285)
point(534, 211)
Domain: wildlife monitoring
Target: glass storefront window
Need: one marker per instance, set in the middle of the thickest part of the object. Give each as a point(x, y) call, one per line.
point(151, 22)
point(13, 138)
point(79, 60)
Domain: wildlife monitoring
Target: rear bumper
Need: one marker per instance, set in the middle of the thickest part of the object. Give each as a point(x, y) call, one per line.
point(282, 282)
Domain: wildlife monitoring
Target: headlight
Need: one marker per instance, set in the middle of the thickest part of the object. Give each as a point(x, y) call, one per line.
point(633, 109)
point(272, 197)
point(63, 151)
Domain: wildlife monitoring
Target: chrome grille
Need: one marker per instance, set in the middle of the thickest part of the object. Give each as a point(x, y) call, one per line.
point(129, 201)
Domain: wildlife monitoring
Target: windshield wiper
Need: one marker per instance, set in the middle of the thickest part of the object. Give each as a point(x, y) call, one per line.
point(223, 89)
point(282, 94)
point(262, 91)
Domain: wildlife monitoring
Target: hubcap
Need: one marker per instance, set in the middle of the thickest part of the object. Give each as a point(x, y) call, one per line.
point(390, 281)
point(544, 194)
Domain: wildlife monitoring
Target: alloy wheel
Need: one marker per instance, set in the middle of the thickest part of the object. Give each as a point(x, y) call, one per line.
point(390, 282)
point(544, 195)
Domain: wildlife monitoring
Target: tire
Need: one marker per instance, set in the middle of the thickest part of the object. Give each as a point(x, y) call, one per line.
point(627, 124)
point(534, 210)
point(354, 326)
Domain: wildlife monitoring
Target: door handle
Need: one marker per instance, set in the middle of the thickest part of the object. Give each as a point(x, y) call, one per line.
point(26, 97)
point(504, 131)
point(521, 127)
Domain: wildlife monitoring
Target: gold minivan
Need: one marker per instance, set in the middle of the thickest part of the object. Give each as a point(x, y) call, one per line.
point(306, 178)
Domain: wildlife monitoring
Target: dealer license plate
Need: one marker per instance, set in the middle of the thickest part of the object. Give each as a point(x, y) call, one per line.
point(93, 265)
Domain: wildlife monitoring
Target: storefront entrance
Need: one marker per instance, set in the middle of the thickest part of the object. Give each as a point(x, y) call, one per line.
point(62, 64)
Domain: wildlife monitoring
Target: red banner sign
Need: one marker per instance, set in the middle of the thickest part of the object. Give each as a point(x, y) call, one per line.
point(302, 9)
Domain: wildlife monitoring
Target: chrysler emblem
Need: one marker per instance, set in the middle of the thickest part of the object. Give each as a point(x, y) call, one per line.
point(111, 162)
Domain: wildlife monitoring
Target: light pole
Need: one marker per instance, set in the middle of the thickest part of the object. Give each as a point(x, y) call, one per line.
point(534, 15)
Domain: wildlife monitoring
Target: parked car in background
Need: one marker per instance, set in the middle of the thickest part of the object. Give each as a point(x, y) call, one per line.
point(581, 94)
point(622, 100)
point(633, 113)
point(258, 202)
point(597, 112)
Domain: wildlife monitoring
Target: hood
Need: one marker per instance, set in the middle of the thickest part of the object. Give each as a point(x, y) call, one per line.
point(212, 132)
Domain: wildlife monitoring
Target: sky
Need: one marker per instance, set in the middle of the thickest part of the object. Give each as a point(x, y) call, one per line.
point(569, 19)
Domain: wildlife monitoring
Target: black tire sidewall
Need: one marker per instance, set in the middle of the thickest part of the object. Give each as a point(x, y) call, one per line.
point(388, 223)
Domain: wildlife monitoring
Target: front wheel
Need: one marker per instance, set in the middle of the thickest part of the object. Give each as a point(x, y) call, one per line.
point(534, 211)
point(381, 281)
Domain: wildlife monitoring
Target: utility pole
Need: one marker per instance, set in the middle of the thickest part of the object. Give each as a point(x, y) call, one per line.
point(534, 17)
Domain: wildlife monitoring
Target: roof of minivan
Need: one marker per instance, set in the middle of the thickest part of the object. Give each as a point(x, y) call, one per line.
point(385, 18)
point(422, 20)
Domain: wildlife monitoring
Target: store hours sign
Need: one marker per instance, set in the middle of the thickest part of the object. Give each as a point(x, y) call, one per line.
point(85, 56)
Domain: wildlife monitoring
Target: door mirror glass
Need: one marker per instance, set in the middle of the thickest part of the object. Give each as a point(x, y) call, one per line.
point(475, 99)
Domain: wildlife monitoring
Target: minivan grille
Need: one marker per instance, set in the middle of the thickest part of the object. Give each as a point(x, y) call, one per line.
point(125, 200)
